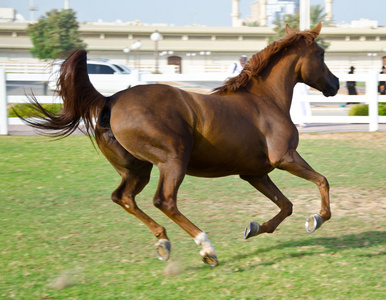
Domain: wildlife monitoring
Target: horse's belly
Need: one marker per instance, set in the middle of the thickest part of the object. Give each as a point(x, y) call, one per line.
point(218, 165)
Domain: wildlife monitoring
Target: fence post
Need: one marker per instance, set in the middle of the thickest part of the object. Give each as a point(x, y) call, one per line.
point(372, 94)
point(3, 103)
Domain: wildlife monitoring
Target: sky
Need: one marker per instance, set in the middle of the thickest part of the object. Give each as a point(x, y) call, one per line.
point(182, 12)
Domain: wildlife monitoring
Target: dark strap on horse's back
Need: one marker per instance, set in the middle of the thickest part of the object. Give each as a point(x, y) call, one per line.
point(235, 68)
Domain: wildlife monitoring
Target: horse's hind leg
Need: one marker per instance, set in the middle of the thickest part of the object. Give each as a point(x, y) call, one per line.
point(171, 175)
point(131, 185)
point(269, 189)
point(135, 176)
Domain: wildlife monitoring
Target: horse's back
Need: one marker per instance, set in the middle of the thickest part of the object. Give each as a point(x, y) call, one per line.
point(156, 104)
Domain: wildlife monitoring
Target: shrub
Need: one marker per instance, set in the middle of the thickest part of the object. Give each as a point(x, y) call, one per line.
point(363, 110)
point(359, 110)
point(24, 109)
point(382, 109)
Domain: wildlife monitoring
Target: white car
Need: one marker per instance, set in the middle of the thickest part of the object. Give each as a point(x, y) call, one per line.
point(107, 77)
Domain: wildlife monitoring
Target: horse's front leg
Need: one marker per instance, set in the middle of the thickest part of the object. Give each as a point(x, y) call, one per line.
point(265, 185)
point(295, 164)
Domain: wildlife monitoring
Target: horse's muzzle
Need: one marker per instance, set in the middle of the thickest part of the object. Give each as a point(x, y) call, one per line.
point(332, 88)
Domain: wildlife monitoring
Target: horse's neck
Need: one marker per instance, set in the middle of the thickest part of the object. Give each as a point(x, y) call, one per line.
point(277, 82)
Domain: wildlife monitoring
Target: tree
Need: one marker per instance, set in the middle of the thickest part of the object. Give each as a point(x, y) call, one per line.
point(291, 20)
point(316, 15)
point(54, 34)
point(252, 24)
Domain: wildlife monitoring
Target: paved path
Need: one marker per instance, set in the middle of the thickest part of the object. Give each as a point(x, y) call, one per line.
point(323, 128)
point(311, 128)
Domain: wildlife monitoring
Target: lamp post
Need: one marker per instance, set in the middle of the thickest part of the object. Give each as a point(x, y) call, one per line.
point(156, 36)
point(136, 46)
point(126, 51)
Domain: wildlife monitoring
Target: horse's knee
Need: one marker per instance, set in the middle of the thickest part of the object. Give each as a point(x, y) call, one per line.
point(162, 202)
point(164, 205)
point(168, 206)
point(289, 209)
point(157, 202)
point(323, 183)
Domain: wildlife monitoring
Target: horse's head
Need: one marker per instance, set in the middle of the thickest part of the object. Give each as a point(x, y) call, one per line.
point(311, 68)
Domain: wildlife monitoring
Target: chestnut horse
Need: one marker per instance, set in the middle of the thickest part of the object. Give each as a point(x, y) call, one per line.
point(243, 127)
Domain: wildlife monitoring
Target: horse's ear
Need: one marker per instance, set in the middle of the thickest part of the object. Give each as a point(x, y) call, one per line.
point(317, 29)
point(289, 30)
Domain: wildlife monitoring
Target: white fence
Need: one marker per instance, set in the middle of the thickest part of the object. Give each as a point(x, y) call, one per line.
point(26, 68)
point(46, 67)
point(370, 97)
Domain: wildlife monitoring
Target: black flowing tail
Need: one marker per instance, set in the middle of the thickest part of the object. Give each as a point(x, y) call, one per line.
point(81, 101)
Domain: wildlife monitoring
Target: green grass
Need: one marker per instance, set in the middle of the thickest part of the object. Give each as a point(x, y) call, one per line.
point(63, 238)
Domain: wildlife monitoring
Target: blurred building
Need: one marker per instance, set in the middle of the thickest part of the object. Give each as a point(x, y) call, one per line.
point(265, 12)
point(197, 48)
point(10, 15)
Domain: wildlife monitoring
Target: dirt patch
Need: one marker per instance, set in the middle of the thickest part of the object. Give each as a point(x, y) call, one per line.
point(376, 138)
point(345, 202)
point(346, 136)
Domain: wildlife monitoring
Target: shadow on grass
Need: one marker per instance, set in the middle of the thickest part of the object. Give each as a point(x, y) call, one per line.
point(327, 245)
point(298, 248)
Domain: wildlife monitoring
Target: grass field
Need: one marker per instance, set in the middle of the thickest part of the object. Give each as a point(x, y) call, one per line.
point(63, 238)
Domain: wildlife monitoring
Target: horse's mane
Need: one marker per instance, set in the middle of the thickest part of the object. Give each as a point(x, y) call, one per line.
point(259, 61)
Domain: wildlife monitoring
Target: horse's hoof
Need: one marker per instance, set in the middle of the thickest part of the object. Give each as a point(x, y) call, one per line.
point(313, 223)
point(163, 248)
point(209, 256)
point(210, 260)
point(251, 230)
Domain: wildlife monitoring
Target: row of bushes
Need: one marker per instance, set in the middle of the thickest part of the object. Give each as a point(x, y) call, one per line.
point(363, 110)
